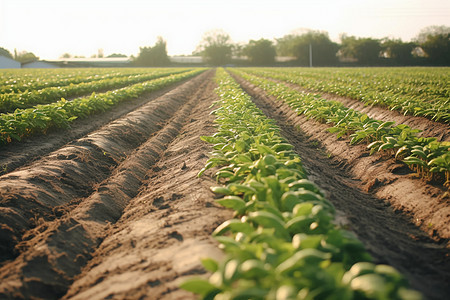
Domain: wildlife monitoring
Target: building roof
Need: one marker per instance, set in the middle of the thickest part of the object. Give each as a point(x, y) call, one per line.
point(8, 63)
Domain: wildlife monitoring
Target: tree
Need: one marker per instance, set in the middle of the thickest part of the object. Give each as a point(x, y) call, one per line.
point(397, 51)
point(215, 47)
point(117, 55)
point(25, 57)
point(4, 52)
point(155, 56)
point(261, 52)
point(365, 50)
point(322, 48)
point(435, 42)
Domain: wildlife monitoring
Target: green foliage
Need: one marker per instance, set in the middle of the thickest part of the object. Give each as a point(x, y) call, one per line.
point(25, 57)
point(261, 52)
point(323, 49)
point(401, 140)
point(5, 52)
point(282, 243)
point(216, 48)
point(415, 91)
point(40, 118)
point(365, 50)
point(155, 56)
point(435, 41)
point(397, 51)
point(28, 98)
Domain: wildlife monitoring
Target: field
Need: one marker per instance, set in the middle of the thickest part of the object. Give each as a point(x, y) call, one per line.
point(245, 183)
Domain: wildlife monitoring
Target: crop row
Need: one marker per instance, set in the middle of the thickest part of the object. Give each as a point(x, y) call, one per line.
point(38, 119)
point(413, 91)
point(282, 243)
point(10, 102)
point(17, 81)
point(429, 157)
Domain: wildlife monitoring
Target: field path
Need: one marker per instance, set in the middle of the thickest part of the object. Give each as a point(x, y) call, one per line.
point(57, 210)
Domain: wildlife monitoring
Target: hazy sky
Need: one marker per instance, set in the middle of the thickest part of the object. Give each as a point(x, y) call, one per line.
point(49, 28)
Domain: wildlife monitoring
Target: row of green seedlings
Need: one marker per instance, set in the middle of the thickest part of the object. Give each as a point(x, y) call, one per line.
point(10, 102)
point(430, 102)
point(36, 79)
point(38, 119)
point(429, 84)
point(424, 155)
point(282, 242)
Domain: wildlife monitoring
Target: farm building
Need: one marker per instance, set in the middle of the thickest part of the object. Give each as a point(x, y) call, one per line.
point(8, 63)
point(39, 65)
point(106, 62)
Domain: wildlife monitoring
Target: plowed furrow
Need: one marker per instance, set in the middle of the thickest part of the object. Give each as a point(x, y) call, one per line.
point(367, 196)
point(49, 186)
point(85, 225)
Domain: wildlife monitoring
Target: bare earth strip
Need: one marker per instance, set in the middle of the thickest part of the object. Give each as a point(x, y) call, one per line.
point(120, 213)
point(17, 155)
point(428, 127)
point(54, 252)
point(379, 206)
point(164, 231)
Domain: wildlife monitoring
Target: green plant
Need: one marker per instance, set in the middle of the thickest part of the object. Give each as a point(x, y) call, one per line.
point(282, 243)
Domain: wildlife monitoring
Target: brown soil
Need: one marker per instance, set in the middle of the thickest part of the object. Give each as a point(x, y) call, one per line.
point(118, 212)
point(401, 220)
point(428, 127)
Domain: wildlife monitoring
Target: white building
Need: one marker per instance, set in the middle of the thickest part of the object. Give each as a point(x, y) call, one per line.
point(39, 65)
point(8, 63)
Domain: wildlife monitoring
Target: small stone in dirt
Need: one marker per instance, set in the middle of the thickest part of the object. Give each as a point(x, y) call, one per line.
point(184, 166)
point(176, 235)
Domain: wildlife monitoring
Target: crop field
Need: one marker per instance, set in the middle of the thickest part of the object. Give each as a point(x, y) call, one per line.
point(236, 183)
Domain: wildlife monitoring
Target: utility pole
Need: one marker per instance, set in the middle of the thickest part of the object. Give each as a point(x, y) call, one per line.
point(310, 55)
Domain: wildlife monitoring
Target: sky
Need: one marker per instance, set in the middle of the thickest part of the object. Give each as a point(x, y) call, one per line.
point(50, 28)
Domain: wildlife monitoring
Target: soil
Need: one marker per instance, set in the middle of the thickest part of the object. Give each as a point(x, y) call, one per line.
point(113, 208)
point(402, 220)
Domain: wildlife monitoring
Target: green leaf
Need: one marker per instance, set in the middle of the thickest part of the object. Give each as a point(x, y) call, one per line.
point(234, 225)
point(241, 188)
point(301, 258)
point(269, 220)
point(372, 285)
point(210, 264)
point(385, 124)
point(198, 286)
point(221, 190)
point(233, 202)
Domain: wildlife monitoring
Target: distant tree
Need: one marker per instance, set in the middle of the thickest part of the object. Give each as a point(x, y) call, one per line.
point(4, 52)
point(261, 52)
point(365, 50)
point(155, 56)
point(435, 42)
point(66, 55)
point(215, 47)
point(299, 45)
point(399, 52)
point(117, 55)
point(25, 57)
point(238, 49)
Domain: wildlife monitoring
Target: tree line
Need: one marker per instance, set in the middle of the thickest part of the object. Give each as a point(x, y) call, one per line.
point(430, 47)
point(309, 47)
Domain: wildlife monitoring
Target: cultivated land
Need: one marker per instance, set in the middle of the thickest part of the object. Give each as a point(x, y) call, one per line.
point(112, 208)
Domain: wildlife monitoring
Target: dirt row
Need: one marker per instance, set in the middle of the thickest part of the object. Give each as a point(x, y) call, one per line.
point(388, 210)
point(55, 212)
point(19, 154)
point(120, 213)
point(428, 127)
